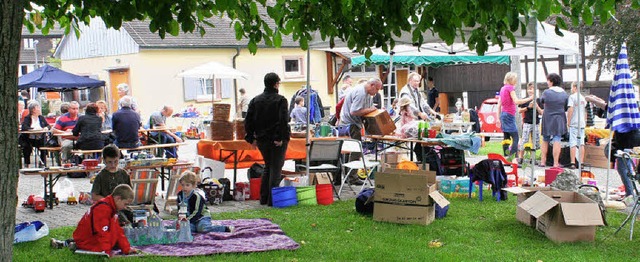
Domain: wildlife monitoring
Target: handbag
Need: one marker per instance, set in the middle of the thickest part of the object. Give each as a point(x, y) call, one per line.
point(52, 142)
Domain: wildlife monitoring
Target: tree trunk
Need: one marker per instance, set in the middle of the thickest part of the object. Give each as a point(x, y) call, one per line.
point(10, 33)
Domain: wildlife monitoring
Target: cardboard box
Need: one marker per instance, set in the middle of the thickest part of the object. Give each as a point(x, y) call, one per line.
point(405, 187)
point(319, 178)
point(406, 197)
point(391, 159)
point(523, 193)
point(379, 123)
point(594, 156)
point(564, 216)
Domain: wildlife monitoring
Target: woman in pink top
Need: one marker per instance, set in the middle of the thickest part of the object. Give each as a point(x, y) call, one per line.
point(507, 109)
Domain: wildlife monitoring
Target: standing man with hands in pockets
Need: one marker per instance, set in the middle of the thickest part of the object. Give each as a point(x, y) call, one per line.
point(267, 127)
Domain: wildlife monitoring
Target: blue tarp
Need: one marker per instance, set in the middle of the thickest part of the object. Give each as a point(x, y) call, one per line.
point(48, 78)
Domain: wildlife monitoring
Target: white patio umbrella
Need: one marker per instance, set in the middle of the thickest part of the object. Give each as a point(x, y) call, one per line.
point(623, 114)
point(215, 70)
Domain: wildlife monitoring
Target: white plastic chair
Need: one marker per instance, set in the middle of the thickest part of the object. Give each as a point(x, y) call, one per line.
point(355, 146)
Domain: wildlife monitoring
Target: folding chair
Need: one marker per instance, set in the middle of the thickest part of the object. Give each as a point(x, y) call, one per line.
point(633, 177)
point(144, 182)
point(325, 156)
point(174, 185)
point(355, 146)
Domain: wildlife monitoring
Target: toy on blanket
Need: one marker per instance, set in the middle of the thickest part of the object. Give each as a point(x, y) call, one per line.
point(156, 233)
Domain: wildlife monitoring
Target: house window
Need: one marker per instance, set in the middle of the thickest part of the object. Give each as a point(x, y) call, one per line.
point(28, 44)
point(293, 67)
point(571, 59)
point(204, 90)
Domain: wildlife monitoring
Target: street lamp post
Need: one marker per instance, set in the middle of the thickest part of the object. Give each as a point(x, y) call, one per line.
point(35, 53)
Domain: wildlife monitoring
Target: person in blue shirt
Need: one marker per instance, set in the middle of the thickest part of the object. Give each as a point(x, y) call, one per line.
point(299, 113)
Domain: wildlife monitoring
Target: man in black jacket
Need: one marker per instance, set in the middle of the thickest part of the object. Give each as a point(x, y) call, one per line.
point(267, 127)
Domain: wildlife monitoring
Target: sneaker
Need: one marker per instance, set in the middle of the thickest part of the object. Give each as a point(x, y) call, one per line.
point(57, 244)
point(230, 229)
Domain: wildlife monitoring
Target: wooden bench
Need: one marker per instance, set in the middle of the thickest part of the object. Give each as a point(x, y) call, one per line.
point(145, 147)
point(55, 153)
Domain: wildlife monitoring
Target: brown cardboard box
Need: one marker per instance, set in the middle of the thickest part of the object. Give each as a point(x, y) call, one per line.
point(564, 216)
point(594, 156)
point(523, 193)
point(405, 187)
point(319, 178)
point(406, 197)
point(379, 123)
point(391, 159)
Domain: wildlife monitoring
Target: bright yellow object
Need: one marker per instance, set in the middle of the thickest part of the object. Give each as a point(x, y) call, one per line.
point(407, 165)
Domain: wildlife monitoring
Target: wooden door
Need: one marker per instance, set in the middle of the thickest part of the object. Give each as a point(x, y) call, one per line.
point(401, 78)
point(116, 77)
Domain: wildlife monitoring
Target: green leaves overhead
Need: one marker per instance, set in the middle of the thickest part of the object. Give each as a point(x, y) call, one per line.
point(358, 24)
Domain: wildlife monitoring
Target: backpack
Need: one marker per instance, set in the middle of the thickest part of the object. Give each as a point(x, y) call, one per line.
point(226, 183)
point(364, 201)
point(255, 171)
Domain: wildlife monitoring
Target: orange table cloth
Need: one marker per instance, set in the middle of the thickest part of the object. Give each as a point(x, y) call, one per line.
point(223, 149)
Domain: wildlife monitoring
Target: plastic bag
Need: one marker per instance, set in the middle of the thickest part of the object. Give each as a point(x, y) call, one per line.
point(30, 231)
point(64, 189)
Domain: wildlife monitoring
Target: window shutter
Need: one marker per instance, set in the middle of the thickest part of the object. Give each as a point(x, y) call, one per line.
point(191, 88)
point(227, 88)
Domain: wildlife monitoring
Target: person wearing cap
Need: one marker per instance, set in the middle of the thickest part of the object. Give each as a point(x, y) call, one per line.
point(407, 119)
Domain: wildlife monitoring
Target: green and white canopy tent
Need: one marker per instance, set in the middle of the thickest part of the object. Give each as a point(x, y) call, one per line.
point(431, 61)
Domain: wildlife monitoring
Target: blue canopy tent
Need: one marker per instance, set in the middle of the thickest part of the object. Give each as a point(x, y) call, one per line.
point(49, 78)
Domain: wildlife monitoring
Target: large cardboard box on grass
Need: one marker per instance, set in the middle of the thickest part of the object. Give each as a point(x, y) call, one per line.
point(406, 196)
point(523, 193)
point(379, 123)
point(564, 216)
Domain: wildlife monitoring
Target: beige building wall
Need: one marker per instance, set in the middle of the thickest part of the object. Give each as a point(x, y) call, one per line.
point(154, 81)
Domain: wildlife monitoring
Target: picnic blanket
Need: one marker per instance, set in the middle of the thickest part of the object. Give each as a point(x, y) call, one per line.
point(250, 235)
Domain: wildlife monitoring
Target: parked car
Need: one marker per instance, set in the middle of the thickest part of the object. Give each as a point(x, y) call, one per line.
point(488, 115)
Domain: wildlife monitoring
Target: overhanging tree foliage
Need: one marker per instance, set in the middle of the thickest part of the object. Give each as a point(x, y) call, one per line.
point(359, 23)
point(609, 36)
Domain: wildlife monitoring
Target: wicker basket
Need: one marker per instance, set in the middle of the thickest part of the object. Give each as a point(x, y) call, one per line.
point(221, 130)
point(238, 126)
point(221, 112)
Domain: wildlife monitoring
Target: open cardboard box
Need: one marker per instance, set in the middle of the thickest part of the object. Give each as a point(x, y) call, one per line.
point(564, 216)
point(523, 193)
point(406, 196)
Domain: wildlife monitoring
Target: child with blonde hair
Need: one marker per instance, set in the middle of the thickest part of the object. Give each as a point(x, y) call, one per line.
point(197, 211)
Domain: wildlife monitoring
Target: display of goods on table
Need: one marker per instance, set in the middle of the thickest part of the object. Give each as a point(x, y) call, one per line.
point(221, 130)
point(595, 134)
point(146, 161)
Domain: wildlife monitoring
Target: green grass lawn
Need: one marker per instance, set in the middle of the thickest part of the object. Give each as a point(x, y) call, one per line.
point(495, 146)
point(472, 231)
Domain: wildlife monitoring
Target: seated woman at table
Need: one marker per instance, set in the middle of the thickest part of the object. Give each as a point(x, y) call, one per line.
point(33, 122)
point(88, 129)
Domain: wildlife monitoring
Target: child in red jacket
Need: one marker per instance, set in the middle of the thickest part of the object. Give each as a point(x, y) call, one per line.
point(98, 229)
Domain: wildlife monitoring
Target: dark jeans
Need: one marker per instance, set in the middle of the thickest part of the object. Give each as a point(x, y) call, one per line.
point(28, 147)
point(624, 168)
point(273, 161)
point(170, 152)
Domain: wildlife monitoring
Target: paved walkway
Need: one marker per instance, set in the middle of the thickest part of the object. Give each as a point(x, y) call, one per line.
point(69, 215)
